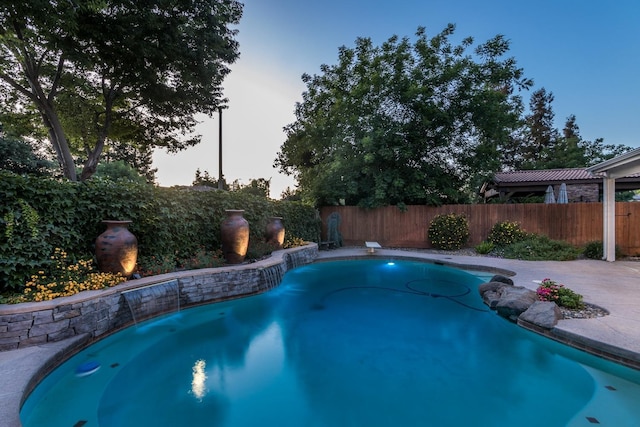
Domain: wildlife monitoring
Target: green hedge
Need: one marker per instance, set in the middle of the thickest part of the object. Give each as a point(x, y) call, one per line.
point(39, 214)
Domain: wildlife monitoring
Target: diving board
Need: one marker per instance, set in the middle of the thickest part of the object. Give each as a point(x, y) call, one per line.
point(372, 246)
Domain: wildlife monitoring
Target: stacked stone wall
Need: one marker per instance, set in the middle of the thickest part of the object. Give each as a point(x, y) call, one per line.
point(100, 312)
point(582, 193)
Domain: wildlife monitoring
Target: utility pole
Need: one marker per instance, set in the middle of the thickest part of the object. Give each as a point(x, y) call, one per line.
point(220, 182)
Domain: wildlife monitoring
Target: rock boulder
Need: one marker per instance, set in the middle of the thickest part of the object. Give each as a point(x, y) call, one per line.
point(542, 313)
point(514, 300)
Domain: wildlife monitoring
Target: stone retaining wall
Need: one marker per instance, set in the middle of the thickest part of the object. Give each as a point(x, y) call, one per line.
point(100, 312)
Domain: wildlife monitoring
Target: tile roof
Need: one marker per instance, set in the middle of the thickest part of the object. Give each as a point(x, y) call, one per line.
point(545, 175)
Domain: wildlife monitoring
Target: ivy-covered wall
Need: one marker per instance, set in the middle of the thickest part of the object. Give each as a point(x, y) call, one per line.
point(38, 215)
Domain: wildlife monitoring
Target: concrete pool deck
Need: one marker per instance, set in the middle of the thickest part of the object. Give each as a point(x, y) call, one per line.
point(613, 286)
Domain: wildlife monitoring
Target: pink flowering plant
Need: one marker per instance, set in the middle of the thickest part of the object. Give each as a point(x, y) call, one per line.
point(549, 290)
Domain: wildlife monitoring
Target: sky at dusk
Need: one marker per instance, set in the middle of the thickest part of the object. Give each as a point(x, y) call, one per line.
point(586, 52)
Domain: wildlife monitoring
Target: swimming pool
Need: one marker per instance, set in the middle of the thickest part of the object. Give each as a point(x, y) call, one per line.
point(338, 343)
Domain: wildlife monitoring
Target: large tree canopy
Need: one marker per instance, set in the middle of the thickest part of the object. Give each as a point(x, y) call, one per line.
point(114, 71)
point(405, 122)
point(541, 146)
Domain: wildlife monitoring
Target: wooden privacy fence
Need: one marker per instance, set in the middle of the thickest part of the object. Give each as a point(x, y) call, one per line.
point(576, 223)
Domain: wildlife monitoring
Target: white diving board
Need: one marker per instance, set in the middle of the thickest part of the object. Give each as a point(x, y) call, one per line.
point(372, 246)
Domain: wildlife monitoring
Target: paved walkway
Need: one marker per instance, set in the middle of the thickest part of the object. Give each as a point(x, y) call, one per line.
point(613, 286)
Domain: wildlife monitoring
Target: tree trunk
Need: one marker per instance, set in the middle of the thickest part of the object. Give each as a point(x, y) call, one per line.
point(94, 156)
point(93, 159)
point(56, 133)
point(59, 141)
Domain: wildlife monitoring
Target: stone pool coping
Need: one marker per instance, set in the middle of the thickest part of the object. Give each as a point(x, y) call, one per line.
point(105, 311)
point(615, 286)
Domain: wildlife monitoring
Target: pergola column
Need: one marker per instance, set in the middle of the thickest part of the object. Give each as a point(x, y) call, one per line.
point(609, 218)
point(624, 165)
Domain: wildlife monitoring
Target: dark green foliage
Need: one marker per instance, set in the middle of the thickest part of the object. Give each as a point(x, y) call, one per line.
point(291, 195)
point(541, 248)
point(204, 179)
point(118, 170)
point(484, 247)
point(624, 196)
point(258, 249)
point(152, 265)
point(449, 232)
point(18, 156)
point(136, 156)
point(569, 299)
point(135, 73)
point(541, 135)
point(406, 122)
point(38, 215)
point(549, 290)
point(506, 233)
point(595, 250)
point(539, 145)
point(257, 187)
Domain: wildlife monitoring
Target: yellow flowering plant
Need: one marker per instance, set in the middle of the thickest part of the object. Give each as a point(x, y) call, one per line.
point(65, 278)
point(506, 233)
point(449, 232)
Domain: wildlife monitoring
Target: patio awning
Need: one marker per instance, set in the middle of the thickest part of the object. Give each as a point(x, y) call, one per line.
point(618, 167)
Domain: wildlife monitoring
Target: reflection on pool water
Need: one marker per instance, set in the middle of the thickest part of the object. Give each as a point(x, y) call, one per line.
point(343, 343)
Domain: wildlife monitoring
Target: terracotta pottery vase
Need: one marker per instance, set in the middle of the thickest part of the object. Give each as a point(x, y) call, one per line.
point(117, 249)
point(235, 236)
point(274, 234)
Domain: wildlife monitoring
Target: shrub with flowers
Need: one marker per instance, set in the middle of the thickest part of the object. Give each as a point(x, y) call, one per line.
point(549, 290)
point(506, 233)
point(65, 278)
point(449, 232)
point(293, 242)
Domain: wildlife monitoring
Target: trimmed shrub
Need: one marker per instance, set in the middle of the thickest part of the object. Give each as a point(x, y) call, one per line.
point(506, 233)
point(449, 232)
point(541, 248)
point(594, 250)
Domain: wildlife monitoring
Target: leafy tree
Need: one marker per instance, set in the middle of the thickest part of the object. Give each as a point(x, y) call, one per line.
point(115, 70)
point(597, 151)
point(540, 134)
point(138, 157)
point(403, 122)
point(205, 179)
point(118, 170)
point(569, 150)
point(539, 145)
point(18, 156)
point(291, 195)
point(257, 187)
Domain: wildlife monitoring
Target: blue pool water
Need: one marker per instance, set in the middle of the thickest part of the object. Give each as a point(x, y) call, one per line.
point(344, 343)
